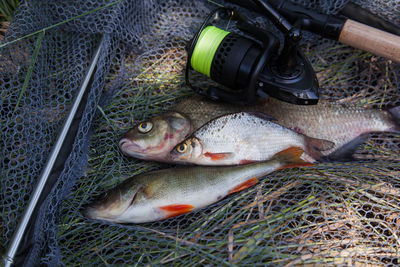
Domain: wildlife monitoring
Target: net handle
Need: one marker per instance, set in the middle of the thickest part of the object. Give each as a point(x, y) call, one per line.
point(9, 257)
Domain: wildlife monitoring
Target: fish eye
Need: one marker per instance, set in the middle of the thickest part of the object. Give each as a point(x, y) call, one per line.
point(145, 127)
point(181, 148)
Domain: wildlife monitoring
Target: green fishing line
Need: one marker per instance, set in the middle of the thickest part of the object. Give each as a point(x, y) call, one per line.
point(206, 46)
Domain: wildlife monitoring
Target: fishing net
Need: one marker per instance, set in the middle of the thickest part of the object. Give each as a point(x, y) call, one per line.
point(333, 213)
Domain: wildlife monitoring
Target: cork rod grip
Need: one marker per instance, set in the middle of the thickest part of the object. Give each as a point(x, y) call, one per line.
point(371, 39)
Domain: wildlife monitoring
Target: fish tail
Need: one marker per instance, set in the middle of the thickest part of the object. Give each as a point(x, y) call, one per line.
point(291, 158)
point(395, 113)
point(314, 146)
point(346, 152)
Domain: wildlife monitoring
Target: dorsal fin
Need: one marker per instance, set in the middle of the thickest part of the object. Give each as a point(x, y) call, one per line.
point(261, 115)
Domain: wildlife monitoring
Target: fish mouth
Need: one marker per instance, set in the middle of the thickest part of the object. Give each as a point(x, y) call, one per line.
point(132, 149)
point(128, 146)
point(96, 214)
point(90, 212)
point(97, 211)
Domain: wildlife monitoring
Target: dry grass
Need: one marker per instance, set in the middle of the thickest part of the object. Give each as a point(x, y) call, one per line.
point(325, 215)
point(329, 214)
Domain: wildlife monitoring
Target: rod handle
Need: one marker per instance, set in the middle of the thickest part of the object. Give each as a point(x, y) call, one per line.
point(370, 39)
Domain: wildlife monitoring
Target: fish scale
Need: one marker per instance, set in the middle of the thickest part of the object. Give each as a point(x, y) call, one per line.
point(229, 135)
point(240, 138)
point(171, 192)
point(345, 126)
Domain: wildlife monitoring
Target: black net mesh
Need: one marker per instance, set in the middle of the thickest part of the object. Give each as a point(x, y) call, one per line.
point(333, 213)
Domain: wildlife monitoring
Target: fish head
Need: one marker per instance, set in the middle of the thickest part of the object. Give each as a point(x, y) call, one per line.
point(155, 138)
point(187, 151)
point(132, 202)
point(114, 203)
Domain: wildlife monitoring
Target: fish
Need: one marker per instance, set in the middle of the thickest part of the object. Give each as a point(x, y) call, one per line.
point(167, 193)
point(243, 138)
point(156, 137)
point(346, 126)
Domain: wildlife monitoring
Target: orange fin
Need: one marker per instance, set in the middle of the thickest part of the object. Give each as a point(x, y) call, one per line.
point(244, 185)
point(217, 156)
point(177, 209)
point(291, 158)
point(246, 161)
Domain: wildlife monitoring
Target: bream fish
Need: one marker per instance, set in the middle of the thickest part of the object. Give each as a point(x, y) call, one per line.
point(242, 138)
point(347, 127)
point(167, 193)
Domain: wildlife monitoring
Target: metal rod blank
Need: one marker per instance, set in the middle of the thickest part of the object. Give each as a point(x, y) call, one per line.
point(12, 250)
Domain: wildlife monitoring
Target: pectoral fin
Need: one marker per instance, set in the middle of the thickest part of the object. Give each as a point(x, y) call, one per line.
point(246, 161)
point(217, 156)
point(177, 209)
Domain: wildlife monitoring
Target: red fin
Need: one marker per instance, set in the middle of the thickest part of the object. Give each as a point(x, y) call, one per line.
point(177, 209)
point(291, 158)
point(246, 161)
point(216, 156)
point(307, 164)
point(244, 185)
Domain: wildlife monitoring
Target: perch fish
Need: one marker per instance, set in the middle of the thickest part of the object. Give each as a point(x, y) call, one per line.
point(346, 127)
point(242, 138)
point(167, 193)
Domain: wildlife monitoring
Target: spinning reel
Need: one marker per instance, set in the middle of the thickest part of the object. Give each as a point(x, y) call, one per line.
point(251, 63)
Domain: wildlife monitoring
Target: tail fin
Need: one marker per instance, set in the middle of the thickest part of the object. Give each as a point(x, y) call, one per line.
point(314, 146)
point(346, 151)
point(395, 112)
point(290, 158)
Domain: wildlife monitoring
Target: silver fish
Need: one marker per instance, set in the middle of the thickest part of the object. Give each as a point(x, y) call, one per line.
point(347, 127)
point(242, 138)
point(167, 193)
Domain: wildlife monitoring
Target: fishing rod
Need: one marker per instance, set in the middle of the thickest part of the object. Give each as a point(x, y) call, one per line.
point(380, 37)
point(252, 63)
point(356, 12)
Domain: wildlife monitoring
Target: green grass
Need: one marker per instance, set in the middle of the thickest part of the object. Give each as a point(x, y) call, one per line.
point(329, 214)
point(38, 45)
point(58, 24)
point(7, 8)
point(336, 213)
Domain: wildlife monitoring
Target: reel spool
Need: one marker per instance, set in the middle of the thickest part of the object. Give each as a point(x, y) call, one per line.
point(218, 54)
point(249, 65)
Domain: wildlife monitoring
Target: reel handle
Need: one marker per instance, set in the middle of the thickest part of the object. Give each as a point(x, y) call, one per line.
point(371, 39)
